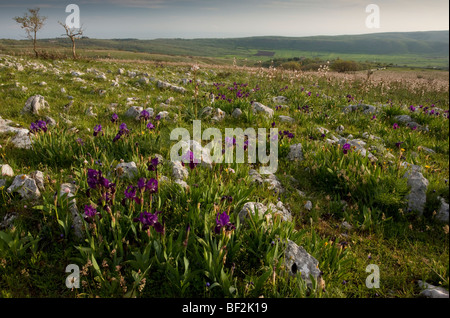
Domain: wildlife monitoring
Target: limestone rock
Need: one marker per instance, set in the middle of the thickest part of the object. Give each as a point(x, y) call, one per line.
point(297, 260)
point(430, 291)
point(296, 152)
point(236, 113)
point(179, 172)
point(6, 170)
point(442, 214)
point(35, 104)
point(418, 184)
point(127, 170)
point(260, 108)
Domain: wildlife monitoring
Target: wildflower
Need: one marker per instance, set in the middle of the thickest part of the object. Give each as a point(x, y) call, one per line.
point(346, 148)
point(130, 192)
point(153, 165)
point(42, 125)
point(395, 126)
point(412, 108)
point(158, 117)
point(189, 158)
point(150, 126)
point(92, 178)
point(152, 186)
point(223, 221)
point(290, 135)
point(398, 144)
point(90, 213)
point(144, 115)
point(141, 184)
point(150, 220)
point(273, 125)
point(114, 118)
point(374, 117)
point(97, 130)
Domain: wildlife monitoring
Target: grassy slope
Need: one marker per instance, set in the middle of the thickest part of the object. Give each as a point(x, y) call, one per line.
point(406, 248)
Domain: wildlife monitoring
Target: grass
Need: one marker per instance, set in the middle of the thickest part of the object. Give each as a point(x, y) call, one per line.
point(118, 258)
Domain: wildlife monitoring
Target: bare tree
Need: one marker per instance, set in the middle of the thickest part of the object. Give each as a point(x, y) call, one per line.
point(72, 34)
point(32, 24)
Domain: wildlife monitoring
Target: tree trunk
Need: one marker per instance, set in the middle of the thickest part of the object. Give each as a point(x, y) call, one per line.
point(73, 48)
point(34, 45)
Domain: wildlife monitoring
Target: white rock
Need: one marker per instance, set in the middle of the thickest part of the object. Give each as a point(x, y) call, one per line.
point(296, 152)
point(308, 206)
point(258, 107)
point(431, 291)
point(127, 170)
point(236, 113)
point(297, 260)
point(35, 104)
point(179, 172)
point(6, 170)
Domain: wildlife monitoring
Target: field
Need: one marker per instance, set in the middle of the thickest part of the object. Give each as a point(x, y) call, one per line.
point(158, 229)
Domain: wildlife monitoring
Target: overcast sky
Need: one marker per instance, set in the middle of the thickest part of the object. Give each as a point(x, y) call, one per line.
point(149, 19)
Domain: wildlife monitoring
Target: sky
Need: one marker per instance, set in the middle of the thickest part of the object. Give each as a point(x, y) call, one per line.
point(150, 19)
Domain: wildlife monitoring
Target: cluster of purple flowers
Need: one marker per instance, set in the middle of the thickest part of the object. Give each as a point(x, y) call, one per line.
point(123, 130)
point(304, 108)
point(284, 88)
point(350, 98)
point(143, 185)
point(240, 89)
point(106, 189)
point(150, 220)
point(38, 126)
point(286, 133)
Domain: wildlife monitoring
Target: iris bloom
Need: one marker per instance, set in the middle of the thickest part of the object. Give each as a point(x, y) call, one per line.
point(90, 213)
point(153, 165)
point(346, 148)
point(152, 186)
point(114, 118)
point(223, 221)
point(395, 126)
point(97, 129)
point(144, 115)
point(148, 219)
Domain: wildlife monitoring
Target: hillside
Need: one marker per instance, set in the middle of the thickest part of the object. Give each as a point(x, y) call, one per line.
point(424, 49)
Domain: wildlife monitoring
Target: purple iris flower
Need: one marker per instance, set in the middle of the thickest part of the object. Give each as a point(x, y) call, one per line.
point(97, 129)
point(34, 128)
point(90, 213)
point(153, 166)
point(92, 178)
point(141, 183)
point(150, 126)
point(223, 221)
point(130, 192)
point(42, 125)
point(395, 126)
point(149, 219)
point(152, 186)
point(114, 118)
point(346, 148)
point(144, 115)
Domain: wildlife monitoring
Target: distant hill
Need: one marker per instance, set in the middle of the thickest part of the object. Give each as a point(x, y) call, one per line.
point(426, 46)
